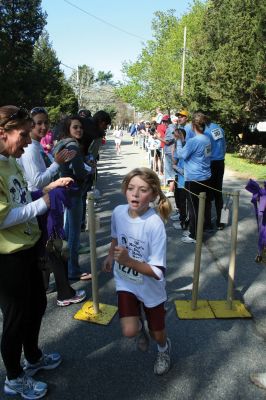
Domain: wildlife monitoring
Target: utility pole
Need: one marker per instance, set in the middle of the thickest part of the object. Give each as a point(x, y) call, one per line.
point(78, 85)
point(183, 62)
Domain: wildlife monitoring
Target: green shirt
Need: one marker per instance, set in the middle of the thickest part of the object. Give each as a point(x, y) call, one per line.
point(13, 194)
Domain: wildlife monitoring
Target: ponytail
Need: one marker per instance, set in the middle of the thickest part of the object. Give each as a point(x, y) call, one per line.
point(164, 207)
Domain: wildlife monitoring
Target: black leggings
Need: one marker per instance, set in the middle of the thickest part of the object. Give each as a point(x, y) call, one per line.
point(181, 202)
point(217, 170)
point(193, 205)
point(23, 303)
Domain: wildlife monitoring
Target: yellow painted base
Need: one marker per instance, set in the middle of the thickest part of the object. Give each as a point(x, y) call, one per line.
point(203, 311)
point(220, 309)
point(104, 317)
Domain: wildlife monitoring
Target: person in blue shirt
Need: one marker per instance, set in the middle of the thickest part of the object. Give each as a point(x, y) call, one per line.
point(183, 123)
point(218, 149)
point(197, 171)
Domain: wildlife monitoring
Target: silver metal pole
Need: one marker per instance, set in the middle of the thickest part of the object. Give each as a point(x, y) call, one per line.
point(200, 223)
point(92, 235)
point(183, 62)
point(232, 262)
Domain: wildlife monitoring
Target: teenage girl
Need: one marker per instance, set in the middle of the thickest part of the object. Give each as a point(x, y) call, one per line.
point(138, 250)
point(69, 137)
point(40, 171)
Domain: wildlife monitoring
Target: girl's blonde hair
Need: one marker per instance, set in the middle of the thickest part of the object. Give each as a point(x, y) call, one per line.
point(150, 177)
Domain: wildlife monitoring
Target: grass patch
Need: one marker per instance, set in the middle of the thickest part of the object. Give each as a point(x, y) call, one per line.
point(245, 167)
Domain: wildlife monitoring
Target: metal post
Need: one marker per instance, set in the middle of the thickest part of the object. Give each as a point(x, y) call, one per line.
point(200, 223)
point(183, 62)
point(232, 262)
point(92, 234)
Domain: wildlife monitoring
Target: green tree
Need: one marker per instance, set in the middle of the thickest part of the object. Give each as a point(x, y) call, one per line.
point(155, 79)
point(152, 79)
point(21, 24)
point(227, 68)
point(49, 86)
point(104, 78)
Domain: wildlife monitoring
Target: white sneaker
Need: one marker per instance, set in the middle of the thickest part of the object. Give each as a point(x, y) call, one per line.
point(186, 233)
point(169, 194)
point(259, 379)
point(188, 239)
point(175, 217)
point(79, 296)
point(163, 361)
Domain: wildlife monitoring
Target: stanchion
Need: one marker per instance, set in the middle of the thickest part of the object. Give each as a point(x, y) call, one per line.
point(231, 308)
point(196, 309)
point(164, 187)
point(93, 311)
point(92, 236)
point(200, 223)
point(232, 262)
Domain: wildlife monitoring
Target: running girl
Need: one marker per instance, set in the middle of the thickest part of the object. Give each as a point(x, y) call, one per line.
point(138, 250)
point(118, 134)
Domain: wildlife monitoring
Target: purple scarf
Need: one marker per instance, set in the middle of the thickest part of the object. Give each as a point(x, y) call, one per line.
point(259, 201)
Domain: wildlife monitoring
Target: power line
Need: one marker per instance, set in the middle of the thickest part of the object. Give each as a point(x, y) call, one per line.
point(67, 66)
point(103, 21)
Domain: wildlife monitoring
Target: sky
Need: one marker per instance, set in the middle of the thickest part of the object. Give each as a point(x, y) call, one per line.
point(79, 38)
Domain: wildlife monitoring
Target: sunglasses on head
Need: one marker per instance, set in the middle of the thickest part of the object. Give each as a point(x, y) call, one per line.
point(38, 110)
point(21, 113)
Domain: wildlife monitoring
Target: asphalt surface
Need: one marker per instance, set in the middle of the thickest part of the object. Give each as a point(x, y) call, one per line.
point(211, 359)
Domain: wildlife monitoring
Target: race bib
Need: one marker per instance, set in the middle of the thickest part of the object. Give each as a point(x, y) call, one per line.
point(128, 273)
point(217, 134)
point(207, 151)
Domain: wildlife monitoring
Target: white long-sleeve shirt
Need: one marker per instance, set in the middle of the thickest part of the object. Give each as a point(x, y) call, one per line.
point(34, 168)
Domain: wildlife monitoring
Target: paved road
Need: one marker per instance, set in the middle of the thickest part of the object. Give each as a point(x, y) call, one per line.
point(212, 359)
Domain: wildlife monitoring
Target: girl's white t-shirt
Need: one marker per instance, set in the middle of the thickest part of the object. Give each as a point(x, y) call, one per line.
point(145, 239)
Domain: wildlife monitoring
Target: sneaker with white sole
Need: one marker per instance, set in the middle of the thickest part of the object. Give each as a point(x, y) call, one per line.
point(79, 296)
point(26, 386)
point(142, 339)
point(169, 194)
point(163, 361)
point(259, 379)
point(188, 239)
point(175, 217)
point(186, 233)
point(47, 361)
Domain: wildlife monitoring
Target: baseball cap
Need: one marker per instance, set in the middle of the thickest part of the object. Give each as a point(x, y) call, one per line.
point(165, 118)
point(182, 112)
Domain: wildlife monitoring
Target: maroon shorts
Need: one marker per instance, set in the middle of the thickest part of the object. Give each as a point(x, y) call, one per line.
point(130, 306)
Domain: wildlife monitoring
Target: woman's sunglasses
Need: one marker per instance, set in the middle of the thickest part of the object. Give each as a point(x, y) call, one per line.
point(38, 110)
point(21, 113)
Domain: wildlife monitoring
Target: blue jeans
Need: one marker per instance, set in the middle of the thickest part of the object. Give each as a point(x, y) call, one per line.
point(73, 218)
point(168, 168)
